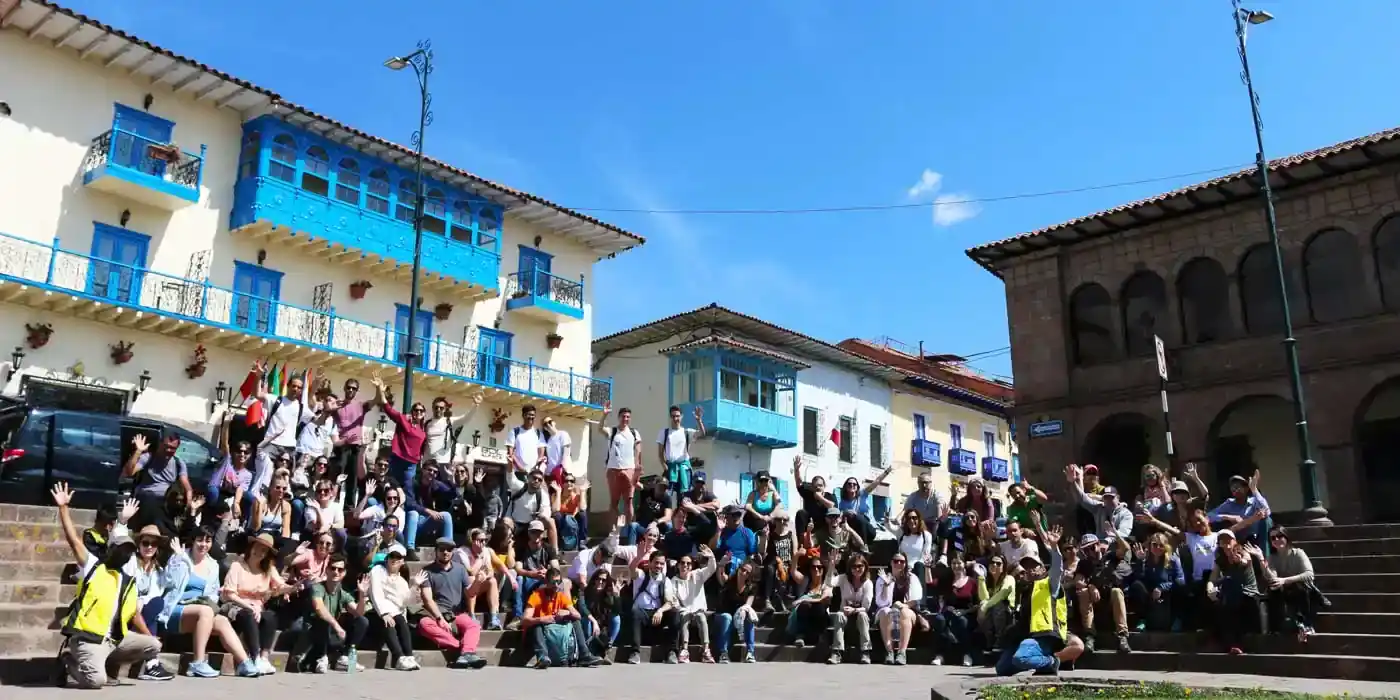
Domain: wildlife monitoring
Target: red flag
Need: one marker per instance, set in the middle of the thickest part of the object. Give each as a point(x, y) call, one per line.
point(254, 416)
point(250, 385)
point(836, 436)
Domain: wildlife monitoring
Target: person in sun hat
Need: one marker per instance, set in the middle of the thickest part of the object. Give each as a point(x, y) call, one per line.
point(250, 583)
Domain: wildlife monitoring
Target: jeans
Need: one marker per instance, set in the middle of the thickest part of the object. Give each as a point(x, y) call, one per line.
point(1033, 654)
point(839, 620)
point(404, 472)
point(440, 633)
point(298, 515)
point(428, 525)
point(397, 637)
point(573, 530)
point(321, 640)
point(633, 531)
point(953, 632)
point(614, 623)
point(724, 622)
point(523, 588)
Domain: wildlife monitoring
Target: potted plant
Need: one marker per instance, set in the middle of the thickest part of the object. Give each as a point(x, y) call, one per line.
point(358, 289)
point(196, 369)
point(442, 311)
point(554, 340)
point(38, 334)
point(498, 419)
point(167, 152)
point(121, 352)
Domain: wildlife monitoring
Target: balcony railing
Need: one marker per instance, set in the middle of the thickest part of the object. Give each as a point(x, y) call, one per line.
point(151, 162)
point(732, 421)
point(51, 267)
point(544, 291)
point(926, 453)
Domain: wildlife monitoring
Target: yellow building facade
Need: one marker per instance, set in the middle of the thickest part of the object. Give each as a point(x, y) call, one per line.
point(918, 416)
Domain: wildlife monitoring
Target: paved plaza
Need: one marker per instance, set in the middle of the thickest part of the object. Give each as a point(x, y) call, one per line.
point(644, 682)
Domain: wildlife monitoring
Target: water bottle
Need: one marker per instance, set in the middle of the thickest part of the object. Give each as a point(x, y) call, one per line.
point(352, 659)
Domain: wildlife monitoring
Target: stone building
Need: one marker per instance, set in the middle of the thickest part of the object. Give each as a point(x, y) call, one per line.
point(1194, 266)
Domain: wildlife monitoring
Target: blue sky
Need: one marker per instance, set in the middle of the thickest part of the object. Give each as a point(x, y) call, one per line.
point(792, 104)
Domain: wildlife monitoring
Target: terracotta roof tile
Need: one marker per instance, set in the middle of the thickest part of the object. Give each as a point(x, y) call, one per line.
point(729, 342)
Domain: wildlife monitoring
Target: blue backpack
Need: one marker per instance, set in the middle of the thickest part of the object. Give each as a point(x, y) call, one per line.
point(560, 644)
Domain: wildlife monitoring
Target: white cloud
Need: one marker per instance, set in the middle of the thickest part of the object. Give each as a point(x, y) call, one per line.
point(949, 209)
point(928, 183)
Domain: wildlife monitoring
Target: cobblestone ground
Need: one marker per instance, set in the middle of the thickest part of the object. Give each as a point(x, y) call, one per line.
point(807, 681)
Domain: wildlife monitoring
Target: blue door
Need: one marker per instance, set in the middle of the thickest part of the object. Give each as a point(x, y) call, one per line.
point(423, 329)
point(532, 263)
point(256, 291)
point(135, 131)
point(118, 260)
point(493, 357)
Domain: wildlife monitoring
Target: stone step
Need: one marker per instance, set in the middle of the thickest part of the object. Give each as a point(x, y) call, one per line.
point(1355, 668)
point(1378, 564)
point(1387, 646)
point(34, 570)
point(1364, 602)
point(1362, 547)
point(16, 617)
point(13, 513)
point(1305, 536)
point(1331, 584)
point(22, 551)
point(30, 642)
point(34, 592)
point(1358, 623)
point(33, 533)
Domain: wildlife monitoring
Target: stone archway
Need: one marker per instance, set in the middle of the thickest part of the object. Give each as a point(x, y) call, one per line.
point(1258, 432)
point(1377, 441)
point(1119, 445)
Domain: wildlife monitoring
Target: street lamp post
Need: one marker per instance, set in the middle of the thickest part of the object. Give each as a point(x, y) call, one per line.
point(421, 61)
point(1313, 511)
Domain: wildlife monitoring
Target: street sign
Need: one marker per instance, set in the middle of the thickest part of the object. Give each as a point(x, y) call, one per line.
point(1047, 428)
point(1161, 357)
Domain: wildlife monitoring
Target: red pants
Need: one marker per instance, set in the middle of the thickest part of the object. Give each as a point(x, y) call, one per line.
point(468, 633)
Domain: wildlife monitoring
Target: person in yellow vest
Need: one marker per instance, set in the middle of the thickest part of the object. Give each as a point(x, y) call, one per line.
point(1040, 640)
point(97, 623)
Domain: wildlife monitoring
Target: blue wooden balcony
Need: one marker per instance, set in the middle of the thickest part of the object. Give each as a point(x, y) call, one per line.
point(732, 421)
point(995, 469)
point(926, 453)
point(142, 168)
point(544, 295)
point(962, 462)
point(47, 276)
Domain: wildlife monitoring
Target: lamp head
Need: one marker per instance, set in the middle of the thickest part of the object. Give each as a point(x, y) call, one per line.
point(1257, 16)
point(396, 63)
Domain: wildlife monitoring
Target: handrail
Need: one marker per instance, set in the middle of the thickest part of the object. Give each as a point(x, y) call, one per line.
point(102, 279)
point(188, 172)
point(541, 283)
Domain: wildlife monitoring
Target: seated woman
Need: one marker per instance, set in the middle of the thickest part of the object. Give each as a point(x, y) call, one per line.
point(687, 589)
point(483, 571)
point(853, 609)
point(915, 541)
point(389, 594)
point(600, 608)
point(1293, 597)
point(1156, 573)
point(252, 581)
point(502, 545)
point(778, 562)
point(570, 516)
point(1234, 590)
point(272, 512)
point(897, 596)
point(324, 513)
point(997, 592)
point(952, 609)
point(809, 610)
point(188, 607)
point(735, 610)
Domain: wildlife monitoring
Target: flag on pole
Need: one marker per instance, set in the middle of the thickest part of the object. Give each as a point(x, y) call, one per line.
point(307, 390)
point(274, 381)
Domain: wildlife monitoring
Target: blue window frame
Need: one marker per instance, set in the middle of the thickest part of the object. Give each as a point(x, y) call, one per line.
point(316, 171)
point(423, 330)
point(533, 262)
point(248, 156)
point(284, 158)
point(377, 199)
point(119, 262)
point(989, 443)
point(136, 130)
point(347, 181)
point(435, 212)
point(256, 291)
point(920, 429)
point(488, 228)
point(955, 435)
point(493, 358)
point(408, 190)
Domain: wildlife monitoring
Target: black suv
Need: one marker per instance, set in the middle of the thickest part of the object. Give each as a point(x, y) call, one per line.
point(41, 446)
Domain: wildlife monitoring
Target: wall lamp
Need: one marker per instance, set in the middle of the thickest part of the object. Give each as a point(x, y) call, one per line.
point(16, 358)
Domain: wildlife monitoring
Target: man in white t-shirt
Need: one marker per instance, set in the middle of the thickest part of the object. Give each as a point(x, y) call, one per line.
point(556, 451)
point(285, 415)
point(1017, 546)
point(673, 449)
point(525, 445)
point(624, 462)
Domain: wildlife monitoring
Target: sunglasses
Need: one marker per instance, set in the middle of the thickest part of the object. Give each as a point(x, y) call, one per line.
point(444, 550)
point(337, 569)
point(150, 543)
point(323, 490)
point(242, 452)
point(479, 540)
point(391, 526)
point(325, 543)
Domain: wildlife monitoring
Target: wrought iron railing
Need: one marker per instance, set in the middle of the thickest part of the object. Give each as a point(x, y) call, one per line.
point(31, 262)
point(135, 152)
point(543, 285)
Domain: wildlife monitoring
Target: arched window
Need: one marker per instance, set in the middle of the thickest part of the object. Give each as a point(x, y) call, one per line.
point(1259, 297)
point(435, 212)
point(408, 193)
point(1332, 274)
point(488, 227)
point(1203, 292)
point(1091, 325)
point(1387, 252)
point(316, 176)
point(1144, 300)
point(248, 157)
point(347, 181)
point(377, 198)
point(284, 159)
point(461, 229)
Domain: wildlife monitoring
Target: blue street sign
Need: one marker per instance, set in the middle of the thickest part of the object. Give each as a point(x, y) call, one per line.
point(1049, 428)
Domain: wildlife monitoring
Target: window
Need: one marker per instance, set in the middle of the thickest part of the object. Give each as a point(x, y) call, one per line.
point(347, 181)
point(1332, 276)
point(248, 157)
point(377, 199)
point(118, 265)
point(756, 383)
point(692, 379)
point(421, 345)
point(197, 456)
point(408, 193)
point(435, 213)
point(1263, 314)
point(1091, 323)
point(955, 436)
point(844, 428)
point(493, 356)
point(461, 229)
point(811, 440)
point(284, 159)
point(1144, 308)
point(316, 176)
point(488, 228)
point(989, 443)
point(920, 427)
point(1203, 292)
point(256, 291)
point(877, 447)
point(1386, 246)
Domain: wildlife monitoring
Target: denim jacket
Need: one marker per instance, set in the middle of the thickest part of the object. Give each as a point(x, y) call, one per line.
point(1159, 576)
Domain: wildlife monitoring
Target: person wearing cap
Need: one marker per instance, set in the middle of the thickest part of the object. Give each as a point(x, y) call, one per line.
point(442, 586)
point(389, 595)
point(1040, 639)
point(652, 507)
point(250, 583)
point(97, 624)
point(1085, 518)
point(673, 449)
point(1170, 516)
point(838, 537)
point(549, 605)
point(759, 507)
point(1235, 591)
point(779, 560)
point(1105, 568)
point(534, 557)
point(527, 501)
point(1245, 501)
point(1113, 519)
point(739, 542)
point(703, 509)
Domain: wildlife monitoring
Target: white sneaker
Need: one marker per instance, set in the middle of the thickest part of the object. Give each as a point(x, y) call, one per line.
point(322, 665)
point(937, 659)
point(265, 667)
point(343, 664)
point(405, 663)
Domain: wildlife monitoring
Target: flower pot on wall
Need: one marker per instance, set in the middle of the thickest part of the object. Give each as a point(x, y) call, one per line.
point(554, 340)
point(196, 369)
point(442, 311)
point(121, 353)
point(38, 334)
point(358, 289)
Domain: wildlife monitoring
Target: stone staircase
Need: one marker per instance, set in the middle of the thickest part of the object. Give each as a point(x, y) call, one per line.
point(1358, 568)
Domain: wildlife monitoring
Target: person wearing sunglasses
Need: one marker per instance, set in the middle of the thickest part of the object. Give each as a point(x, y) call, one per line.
point(442, 586)
point(336, 624)
point(372, 516)
point(324, 513)
point(430, 511)
point(237, 474)
point(529, 502)
point(570, 515)
point(1293, 596)
point(406, 446)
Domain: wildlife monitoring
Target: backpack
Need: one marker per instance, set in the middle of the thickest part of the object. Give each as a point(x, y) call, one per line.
point(301, 410)
point(668, 436)
point(612, 435)
point(560, 645)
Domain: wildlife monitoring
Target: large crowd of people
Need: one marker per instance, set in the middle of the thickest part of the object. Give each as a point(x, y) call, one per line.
point(309, 526)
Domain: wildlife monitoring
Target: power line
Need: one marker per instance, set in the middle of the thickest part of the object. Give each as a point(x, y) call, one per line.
point(913, 205)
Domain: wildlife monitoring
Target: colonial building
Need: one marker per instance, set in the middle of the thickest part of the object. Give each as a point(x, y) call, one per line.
point(767, 394)
point(1195, 267)
point(165, 223)
point(949, 421)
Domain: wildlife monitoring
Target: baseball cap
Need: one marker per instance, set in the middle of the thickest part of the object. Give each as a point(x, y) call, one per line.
point(396, 550)
point(832, 511)
point(1091, 469)
point(536, 526)
point(1028, 561)
point(1088, 539)
point(1110, 491)
point(1179, 485)
point(444, 542)
point(732, 509)
point(120, 540)
point(1225, 534)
